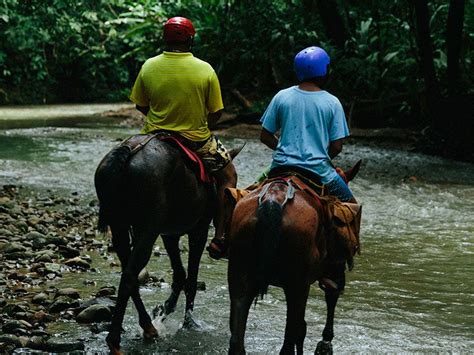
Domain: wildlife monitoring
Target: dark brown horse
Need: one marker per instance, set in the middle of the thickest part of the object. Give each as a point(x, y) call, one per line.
point(279, 236)
point(142, 195)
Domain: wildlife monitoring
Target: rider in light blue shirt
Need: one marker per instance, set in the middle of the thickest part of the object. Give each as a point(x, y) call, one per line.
point(311, 123)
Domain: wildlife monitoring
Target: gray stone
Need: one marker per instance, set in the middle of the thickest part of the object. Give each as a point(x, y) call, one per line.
point(62, 303)
point(40, 298)
point(95, 314)
point(13, 248)
point(68, 292)
point(58, 346)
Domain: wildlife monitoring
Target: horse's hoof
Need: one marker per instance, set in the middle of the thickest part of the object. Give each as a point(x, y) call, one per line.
point(114, 349)
point(323, 347)
point(150, 332)
point(189, 322)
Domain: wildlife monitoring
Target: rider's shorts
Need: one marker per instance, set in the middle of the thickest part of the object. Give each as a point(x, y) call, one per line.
point(338, 187)
point(213, 154)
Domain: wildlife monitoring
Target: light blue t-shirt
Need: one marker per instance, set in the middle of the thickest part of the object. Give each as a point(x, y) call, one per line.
point(307, 121)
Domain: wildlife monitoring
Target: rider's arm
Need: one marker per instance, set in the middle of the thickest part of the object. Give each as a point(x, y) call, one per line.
point(270, 140)
point(212, 118)
point(143, 109)
point(335, 147)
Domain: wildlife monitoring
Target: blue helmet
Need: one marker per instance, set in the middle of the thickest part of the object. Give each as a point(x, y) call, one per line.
point(311, 62)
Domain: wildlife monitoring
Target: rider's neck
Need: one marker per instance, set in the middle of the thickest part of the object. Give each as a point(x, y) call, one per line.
point(179, 48)
point(309, 86)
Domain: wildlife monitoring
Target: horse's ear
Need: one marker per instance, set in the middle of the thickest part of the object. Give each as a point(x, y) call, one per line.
point(352, 172)
point(234, 151)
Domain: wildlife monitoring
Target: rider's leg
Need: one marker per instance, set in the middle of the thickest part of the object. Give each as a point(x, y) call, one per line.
point(227, 177)
point(338, 187)
point(219, 162)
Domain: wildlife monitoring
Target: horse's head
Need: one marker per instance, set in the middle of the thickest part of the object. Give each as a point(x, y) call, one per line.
point(349, 174)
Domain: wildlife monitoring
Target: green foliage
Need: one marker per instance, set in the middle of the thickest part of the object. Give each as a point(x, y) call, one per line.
point(91, 50)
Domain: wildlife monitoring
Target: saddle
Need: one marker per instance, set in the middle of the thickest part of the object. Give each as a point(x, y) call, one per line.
point(341, 219)
point(137, 142)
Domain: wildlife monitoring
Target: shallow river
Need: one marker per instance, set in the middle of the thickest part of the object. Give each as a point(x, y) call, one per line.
point(411, 290)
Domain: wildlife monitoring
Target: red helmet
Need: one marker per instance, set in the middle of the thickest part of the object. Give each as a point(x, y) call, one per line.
point(178, 29)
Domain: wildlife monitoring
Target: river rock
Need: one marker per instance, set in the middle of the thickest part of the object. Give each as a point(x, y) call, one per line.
point(12, 326)
point(43, 317)
point(21, 225)
point(19, 255)
point(44, 256)
point(68, 292)
point(9, 339)
point(5, 232)
point(33, 220)
point(68, 252)
point(105, 291)
point(104, 301)
point(52, 268)
point(40, 298)
point(143, 277)
point(11, 309)
point(5, 201)
point(37, 342)
point(77, 262)
point(37, 239)
point(62, 303)
point(13, 248)
point(95, 314)
point(58, 346)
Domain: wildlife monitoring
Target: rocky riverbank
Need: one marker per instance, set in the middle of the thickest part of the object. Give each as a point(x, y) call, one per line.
point(43, 238)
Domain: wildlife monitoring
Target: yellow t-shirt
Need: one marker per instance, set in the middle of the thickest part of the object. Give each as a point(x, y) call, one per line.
point(180, 90)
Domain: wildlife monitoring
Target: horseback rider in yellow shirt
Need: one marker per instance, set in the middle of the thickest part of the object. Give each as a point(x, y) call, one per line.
point(181, 93)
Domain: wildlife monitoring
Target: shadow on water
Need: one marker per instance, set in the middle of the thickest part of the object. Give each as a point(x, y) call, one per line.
point(411, 289)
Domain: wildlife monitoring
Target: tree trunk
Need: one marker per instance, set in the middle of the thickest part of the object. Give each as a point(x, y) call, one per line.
point(459, 107)
point(425, 46)
point(333, 22)
point(454, 40)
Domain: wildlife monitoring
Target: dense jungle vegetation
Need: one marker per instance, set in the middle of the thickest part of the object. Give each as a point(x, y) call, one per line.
point(402, 63)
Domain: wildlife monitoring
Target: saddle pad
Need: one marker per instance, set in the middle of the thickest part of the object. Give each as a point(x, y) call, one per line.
point(137, 142)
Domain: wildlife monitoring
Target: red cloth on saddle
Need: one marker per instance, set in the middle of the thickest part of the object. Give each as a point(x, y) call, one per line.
point(192, 157)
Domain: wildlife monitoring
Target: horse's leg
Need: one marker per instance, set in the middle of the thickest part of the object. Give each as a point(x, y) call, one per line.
point(197, 241)
point(242, 293)
point(331, 295)
point(295, 330)
point(171, 243)
point(121, 243)
point(325, 346)
point(138, 258)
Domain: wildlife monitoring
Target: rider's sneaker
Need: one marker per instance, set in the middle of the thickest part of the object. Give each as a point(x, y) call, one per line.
point(217, 249)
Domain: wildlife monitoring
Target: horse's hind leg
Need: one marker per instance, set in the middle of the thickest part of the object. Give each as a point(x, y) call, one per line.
point(197, 241)
point(137, 260)
point(242, 290)
point(171, 243)
point(121, 242)
point(295, 330)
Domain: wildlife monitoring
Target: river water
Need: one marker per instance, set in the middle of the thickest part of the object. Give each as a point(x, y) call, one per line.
point(410, 291)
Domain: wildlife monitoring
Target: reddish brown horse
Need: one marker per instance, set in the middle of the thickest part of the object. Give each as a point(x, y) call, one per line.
point(279, 236)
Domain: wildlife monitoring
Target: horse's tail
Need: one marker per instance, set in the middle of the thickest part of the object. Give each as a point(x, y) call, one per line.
point(108, 180)
point(268, 236)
